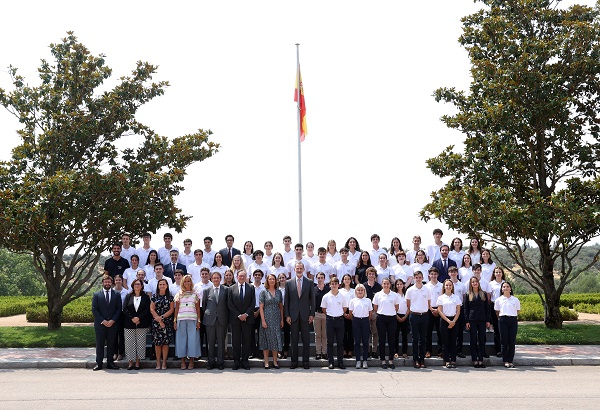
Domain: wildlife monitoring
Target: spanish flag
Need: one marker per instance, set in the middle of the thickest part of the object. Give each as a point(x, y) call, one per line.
point(301, 105)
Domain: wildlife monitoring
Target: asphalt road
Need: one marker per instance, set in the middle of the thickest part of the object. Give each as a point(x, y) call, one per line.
point(571, 387)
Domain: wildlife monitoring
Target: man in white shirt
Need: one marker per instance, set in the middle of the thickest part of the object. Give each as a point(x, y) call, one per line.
point(433, 251)
point(126, 250)
point(418, 301)
point(204, 281)
point(410, 255)
point(288, 253)
point(435, 290)
point(322, 266)
point(208, 253)
point(164, 253)
point(459, 290)
point(195, 268)
point(187, 256)
point(143, 251)
point(376, 251)
point(291, 264)
point(257, 264)
point(158, 275)
point(344, 266)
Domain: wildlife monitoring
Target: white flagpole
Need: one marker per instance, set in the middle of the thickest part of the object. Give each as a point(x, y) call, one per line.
point(299, 148)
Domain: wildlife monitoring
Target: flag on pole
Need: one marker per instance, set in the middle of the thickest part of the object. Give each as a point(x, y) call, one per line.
point(299, 98)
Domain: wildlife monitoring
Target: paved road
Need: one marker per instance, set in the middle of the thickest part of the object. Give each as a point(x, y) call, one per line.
point(527, 387)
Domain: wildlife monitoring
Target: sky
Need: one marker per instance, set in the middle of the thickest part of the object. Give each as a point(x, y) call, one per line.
point(369, 70)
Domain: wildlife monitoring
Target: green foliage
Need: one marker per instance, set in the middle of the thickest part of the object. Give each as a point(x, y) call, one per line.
point(532, 140)
point(18, 276)
point(17, 305)
point(567, 300)
point(571, 334)
point(534, 312)
point(78, 311)
point(40, 337)
point(68, 182)
point(587, 308)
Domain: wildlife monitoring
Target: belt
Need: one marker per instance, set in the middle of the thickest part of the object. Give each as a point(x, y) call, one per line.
point(360, 318)
point(335, 317)
point(418, 313)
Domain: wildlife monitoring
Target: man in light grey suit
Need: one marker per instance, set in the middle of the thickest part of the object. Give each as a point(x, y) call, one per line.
point(299, 310)
point(215, 318)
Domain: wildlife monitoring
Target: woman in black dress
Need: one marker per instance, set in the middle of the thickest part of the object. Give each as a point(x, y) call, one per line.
point(162, 309)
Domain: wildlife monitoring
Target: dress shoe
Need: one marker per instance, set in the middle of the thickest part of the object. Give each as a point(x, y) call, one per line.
point(330, 366)
point(481, 366)
point(276, 367)
point(111, 366)
point(499, 354)
point(137, 367)
point(485, 355)
point(97, 367)
point(392, 366)
point(293, 366)
point(341, 366)
point(318, 357)
point(384, 365)
point(461, 355)
point(247, 367)
point(129, 367)
point(221, 367)
point(306, 366)
point(423, 365)
point(209, 367)
point(236, 366)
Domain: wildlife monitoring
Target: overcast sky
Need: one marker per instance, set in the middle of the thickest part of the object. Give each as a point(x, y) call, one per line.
point(369, 70)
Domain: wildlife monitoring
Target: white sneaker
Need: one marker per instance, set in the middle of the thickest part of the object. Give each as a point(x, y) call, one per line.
point(365, 365)
point(358, 364)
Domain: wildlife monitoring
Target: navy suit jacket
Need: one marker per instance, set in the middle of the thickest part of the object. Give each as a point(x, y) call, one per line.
point(106, 311)
point(443, 272)
point(237, 307)
point(225, 254)
point(170, 273)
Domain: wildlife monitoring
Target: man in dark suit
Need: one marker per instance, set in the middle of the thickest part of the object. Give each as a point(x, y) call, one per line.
point(299, 310)
point(171, 267)
point(215, 316)
point(443, 263)
point(229, 252)
point(106, 308)
point(240, 301)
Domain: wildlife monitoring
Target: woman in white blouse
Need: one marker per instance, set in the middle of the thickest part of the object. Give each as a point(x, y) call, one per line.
point(457, 253)
point(386, 304)
point(402, 317)
point(347, 290)
point(137, 319)
point(448, 305)
point(487, 265)
point(475, 250)
point(421, 263)
point(465, 272)
point(507, 309)
point(495, 287)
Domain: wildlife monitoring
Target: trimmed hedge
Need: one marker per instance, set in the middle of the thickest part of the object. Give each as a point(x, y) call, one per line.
point(78, 311)
point(568, 300)
point(531, 311)
point(17, 305)
point(587, 308)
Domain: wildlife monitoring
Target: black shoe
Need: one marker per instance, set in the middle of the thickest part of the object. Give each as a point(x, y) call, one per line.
point(392, 366)
point(384, 365)
point(247, 367)
point(137, 367)
point(461, 355)
point(209, 367)
point(306, 366)
point(129, 367)
point(341, 366)
point(476, 365)
point(97, 367)
point(318, 357)
point(482, 366)
point(499, 354)
point(236, 367)
point(294, 366)
point(324, 357)
point(330, 366)
point(221, 366)
point(487, 356)
point(111, 366)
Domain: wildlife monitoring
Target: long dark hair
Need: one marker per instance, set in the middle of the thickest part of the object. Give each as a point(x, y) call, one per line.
point(167, 292)
point(360, 261)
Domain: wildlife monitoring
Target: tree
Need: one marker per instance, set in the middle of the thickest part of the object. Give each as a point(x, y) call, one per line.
point(527, 178)
point(18, 276)
point(68, 186)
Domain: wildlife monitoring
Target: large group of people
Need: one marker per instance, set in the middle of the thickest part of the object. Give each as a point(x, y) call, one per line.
point(360, 303)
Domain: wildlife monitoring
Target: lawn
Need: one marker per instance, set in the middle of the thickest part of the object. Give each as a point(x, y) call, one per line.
point(40, 336)
point(571, 334)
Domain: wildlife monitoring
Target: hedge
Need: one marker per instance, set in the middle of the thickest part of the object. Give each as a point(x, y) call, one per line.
point(17, 305)
point(535, 312)
point(568, 300)
point(587, 308)
point(78, 311)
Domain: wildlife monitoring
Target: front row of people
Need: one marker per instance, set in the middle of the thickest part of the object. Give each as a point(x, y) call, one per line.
point(296, 305)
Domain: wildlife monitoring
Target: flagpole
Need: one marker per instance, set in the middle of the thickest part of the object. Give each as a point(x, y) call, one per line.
point(299, 147)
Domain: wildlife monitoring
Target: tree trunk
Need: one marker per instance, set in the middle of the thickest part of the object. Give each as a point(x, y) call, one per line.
point(55, 309)
point(552, 316)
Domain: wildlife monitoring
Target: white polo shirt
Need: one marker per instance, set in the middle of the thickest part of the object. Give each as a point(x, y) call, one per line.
point(384, 273)
point(403, 272)
point(291, 267)
point(326, 268)
point(507, 306)
point(419, 299)
point(360, 307)
point(386, 303)
point(402, 306)
point(340, 268)
point(334, 304)
point(460, 290)
point(374, 254)
point(449, 303)
point(435, 291)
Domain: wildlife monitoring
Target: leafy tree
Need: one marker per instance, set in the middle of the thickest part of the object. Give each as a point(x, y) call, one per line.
point(528, 172)
point(18, 276)
point(69, 185)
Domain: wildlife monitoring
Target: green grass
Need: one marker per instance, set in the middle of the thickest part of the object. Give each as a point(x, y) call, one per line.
point(571, 334)
point(39, 336)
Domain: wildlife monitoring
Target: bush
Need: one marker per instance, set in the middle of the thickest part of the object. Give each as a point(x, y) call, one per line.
point(587, 308)
point(534, 312)
point(566, 300)
point(17, 305)
point(78, 311)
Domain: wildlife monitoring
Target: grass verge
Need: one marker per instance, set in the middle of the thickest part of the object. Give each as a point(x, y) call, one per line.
point(571, 334)
point(38, 336)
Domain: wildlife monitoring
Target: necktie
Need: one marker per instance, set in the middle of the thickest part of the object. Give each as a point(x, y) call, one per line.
point(107, 297)
point(444, 261)
point(217, 293)
point(173, 269)
point(229, 254)
point(242, 293)
point(299, 286)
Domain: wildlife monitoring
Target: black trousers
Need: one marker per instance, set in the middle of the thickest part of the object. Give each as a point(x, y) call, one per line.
point(386, 327)
point(497, 346)
point(461, 328)
point(216, 336)
point(105, 335)
point(119, 347)
point(449, 336)
point(402, 327)
point(335, 331)
point(508, 337)
point(348, 336)
point(434, 322)
point(241, 340)
point(477, 342)
point(418, 328)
